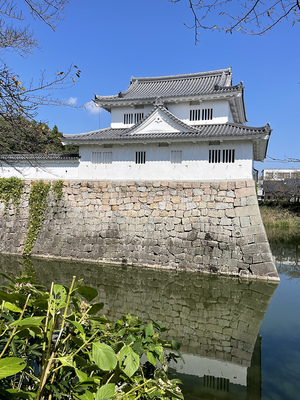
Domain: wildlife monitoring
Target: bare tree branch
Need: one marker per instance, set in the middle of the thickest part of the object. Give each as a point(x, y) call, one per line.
point(284, 160)
point(19, 101)
point(250, 17)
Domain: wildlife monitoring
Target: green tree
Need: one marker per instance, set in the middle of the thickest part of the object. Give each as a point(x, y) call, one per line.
point(28, 136)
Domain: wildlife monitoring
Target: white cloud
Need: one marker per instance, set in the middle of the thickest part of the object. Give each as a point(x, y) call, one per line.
point(72, 101)
point(92, 108)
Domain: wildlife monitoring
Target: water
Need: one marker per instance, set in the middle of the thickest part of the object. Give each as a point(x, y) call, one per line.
point(240, 339)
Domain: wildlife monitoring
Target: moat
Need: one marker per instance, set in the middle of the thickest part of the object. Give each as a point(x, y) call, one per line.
point(239, 337)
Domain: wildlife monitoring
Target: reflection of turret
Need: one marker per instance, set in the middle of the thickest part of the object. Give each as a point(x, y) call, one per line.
point(216, 320)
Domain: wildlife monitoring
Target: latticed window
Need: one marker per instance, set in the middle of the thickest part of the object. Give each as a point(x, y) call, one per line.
point(107, 157)
point(221, 156)
point(216, 383)
point(102, 157)
point(140, 157)
point(201, 114)
point(133, 118)
point(96, 157)
point(176, 156)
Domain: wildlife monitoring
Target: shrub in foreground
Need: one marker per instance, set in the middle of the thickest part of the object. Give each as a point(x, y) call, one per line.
point(56, 346)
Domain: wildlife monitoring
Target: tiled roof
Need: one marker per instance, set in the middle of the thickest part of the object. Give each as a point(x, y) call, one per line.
point(203, 131)
point(33, 157)
point(174, 86)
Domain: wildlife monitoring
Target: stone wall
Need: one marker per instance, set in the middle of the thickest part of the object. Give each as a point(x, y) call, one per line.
point(203, 226)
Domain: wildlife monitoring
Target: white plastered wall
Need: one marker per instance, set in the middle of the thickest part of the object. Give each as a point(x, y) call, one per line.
point(117, 115)
point(194, 166)
point(221, 112)
point(40, 170)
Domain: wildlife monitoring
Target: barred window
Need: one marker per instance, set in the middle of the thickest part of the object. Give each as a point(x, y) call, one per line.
point(107, 157)
point(101, 157)
point(96, 157)
point(195, 115)
point(133, 118)
point(140, 157)
point(221, 156)
point(201, 114)
point(207, 113)
point(176, 156)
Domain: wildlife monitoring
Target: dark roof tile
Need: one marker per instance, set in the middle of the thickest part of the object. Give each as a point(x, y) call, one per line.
point(201, 131)
point(174, 86)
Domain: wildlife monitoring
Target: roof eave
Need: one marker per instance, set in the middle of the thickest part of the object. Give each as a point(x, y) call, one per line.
point(260, 146)
point(259, 138)
point(107, 104)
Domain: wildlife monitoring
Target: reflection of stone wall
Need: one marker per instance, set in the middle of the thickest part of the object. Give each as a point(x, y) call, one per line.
point(203, 226)
point(216, 317)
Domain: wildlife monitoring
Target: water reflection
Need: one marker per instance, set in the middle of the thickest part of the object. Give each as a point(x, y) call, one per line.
point(216, 319)
point(286, 251)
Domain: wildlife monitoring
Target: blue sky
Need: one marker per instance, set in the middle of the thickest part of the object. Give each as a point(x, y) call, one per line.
point(110, 41)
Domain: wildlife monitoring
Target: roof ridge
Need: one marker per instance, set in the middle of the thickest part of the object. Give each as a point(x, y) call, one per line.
point(180, 76)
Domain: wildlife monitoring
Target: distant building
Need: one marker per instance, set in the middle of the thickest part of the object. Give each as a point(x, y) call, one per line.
point(281, 184)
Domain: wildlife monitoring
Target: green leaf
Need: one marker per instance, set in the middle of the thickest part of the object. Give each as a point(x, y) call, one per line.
point(159, 326)
point(106, 392)
point(95, 308)
point(175, 345)
point(58, 298)
point(31, 321)
point(87, 292)
point(67, 361)
point(11, 297)
point(81, 375)
point(77, 325)
point(138, 346)
point(102, 320)
point(19, 394)
point(104, 356)
point(87, 395)
point(149, 331)
point(129, 361)
point(11, 307)
point(7, 277)
point(151, 358)
point(11, 366)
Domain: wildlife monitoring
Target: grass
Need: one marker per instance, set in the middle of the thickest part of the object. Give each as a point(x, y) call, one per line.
point(281, 221)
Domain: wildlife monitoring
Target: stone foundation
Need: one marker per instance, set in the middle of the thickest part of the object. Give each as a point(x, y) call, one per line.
point(210, 227)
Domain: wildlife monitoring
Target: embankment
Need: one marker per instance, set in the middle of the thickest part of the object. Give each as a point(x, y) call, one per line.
point(210, 227)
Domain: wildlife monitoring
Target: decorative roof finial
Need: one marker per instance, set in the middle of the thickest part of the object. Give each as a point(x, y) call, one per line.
point(158, 102)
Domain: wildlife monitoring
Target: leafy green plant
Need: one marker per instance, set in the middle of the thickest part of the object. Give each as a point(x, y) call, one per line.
point(55, 346)
point(37, 204)
point(57, 188)
point(11, 189)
